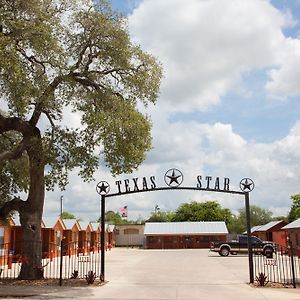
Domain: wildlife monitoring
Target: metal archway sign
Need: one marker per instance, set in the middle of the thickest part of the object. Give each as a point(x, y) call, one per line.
point(174, 179)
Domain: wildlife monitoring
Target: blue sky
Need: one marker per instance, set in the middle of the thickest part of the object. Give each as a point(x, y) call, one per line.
point(228, 107)
point(266, 124)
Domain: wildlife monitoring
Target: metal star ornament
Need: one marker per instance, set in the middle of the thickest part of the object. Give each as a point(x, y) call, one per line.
point(247, 185)
point(102, 188)
point(173, 177)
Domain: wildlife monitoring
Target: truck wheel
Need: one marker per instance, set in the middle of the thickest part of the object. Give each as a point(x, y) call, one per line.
point(224, 251)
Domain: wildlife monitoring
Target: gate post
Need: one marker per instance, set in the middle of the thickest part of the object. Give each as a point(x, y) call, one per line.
point(292, 262)
point(61, 261)
point(250, 253)
point(102, 237)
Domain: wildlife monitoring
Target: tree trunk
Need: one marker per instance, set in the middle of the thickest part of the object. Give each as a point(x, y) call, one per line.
point(32, 245)
point(32, 211)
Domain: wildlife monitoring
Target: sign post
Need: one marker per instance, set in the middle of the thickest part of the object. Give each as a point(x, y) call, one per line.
point(102, 237)
point(250, 253)
point(247, 185)
point(102, 189)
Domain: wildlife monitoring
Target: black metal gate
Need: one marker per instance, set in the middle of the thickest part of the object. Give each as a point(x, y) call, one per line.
point(282, 267)
point(66, 260)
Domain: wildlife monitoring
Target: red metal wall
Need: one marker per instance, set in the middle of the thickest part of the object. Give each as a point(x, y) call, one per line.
point(181, 241)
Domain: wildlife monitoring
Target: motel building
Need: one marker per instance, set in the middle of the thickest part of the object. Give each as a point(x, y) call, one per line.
point(293, 233)
point(182, 235)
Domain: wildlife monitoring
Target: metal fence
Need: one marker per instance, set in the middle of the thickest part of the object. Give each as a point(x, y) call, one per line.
point(283, 266)
point(58, 261)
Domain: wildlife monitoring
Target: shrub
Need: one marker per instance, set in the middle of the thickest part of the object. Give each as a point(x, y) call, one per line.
point(90, 277)
point(74, 275)
point(261, 279)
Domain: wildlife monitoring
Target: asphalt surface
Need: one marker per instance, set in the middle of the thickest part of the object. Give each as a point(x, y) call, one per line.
point(163, 275)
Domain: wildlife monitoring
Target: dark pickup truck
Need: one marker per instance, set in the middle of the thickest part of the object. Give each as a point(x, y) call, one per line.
point(241, 246)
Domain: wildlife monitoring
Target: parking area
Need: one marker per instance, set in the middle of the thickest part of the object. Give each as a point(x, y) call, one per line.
point(172, 274)
point(182, 274)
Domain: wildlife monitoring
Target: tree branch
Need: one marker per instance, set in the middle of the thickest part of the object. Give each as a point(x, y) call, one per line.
point(81, 78)
point(48, 91)
point(51, 122)
point(15, 154)
point(13, 123)
point(15, 204)
point(31, 58)
point(80, 58)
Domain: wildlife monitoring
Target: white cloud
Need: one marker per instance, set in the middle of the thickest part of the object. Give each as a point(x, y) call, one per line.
point(273, 167)
point(205, 46)
point(284, 80)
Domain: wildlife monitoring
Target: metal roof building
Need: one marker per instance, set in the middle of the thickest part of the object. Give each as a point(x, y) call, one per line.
point(192, 228)
point(253, 229)
point(176, 235)
point(293, 232)
point(272, 231)
point(292, 225)
point(268, 226)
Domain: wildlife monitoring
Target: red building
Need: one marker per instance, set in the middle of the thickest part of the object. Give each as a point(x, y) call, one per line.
point(5, 239)
point(52, 233)
point(95, 236)
point(70, 236)
point(273, 232)
point(293, 232)
point(111, 236)
point(84, 237)
point(177, 235)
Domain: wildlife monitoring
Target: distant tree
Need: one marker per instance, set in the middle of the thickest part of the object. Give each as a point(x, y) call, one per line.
point(258, 216)
point(67, 215)
point(280, 218)
point(294, 213)
point(202, 211)
point(161, 216)
point(112, 217)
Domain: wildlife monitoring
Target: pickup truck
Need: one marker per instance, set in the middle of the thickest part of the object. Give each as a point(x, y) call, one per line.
point(241, 246)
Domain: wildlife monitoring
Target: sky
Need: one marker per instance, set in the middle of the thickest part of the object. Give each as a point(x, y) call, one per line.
point(228, 107)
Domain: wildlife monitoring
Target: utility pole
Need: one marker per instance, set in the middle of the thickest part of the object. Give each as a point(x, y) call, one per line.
point(61, 205)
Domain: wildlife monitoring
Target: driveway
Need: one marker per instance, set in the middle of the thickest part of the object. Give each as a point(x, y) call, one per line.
point(182, 274)
point(173, 274)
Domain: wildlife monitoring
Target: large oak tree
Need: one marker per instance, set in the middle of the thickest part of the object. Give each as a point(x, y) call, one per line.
point(58, 56)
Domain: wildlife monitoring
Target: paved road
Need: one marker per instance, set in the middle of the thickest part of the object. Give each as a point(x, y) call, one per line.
point(173, 274)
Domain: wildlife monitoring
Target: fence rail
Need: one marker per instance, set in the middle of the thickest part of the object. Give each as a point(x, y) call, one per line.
point(283, 266)
point(78, 258)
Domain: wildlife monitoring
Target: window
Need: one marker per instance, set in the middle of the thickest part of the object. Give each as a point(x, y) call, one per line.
point(254, 239)
point(175, 239)
point(75, 237)
point(57, 237)
point(204, 239)
point(2, 250)
point(243, 239)
point(1, 237)
point(152, 239)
